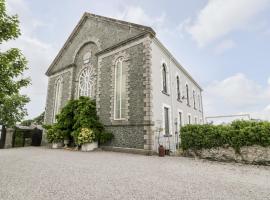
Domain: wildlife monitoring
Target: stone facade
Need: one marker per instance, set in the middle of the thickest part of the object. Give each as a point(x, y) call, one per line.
point(108, 40)
point(248, 154)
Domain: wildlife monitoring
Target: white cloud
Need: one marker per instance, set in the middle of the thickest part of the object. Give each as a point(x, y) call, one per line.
point(268, 81)
point(237, 94)
point(224, 46)
point(137, 15)
point(220, 17)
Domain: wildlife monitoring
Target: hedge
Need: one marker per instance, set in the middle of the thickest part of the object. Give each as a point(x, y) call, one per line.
point(237, 134)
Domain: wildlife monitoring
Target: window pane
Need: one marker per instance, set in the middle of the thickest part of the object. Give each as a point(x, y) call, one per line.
point(123, 91)
point(117, 90)
point(166, 119)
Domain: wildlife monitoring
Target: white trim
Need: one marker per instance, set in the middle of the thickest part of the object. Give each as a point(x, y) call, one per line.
point(163, 118)
point(189, 120)
point(164, 63)
point(166, 51)
point(196, 120)
point(120, 60)
point(58, 90)
point(178, 118)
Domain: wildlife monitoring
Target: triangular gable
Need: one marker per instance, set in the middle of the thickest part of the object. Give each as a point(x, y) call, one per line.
point(79, 25)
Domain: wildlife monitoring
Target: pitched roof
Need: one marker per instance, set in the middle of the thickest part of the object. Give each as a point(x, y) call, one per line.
point(90, 15)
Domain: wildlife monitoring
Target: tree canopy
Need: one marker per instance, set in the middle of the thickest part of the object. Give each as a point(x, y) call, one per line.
point(12, 66)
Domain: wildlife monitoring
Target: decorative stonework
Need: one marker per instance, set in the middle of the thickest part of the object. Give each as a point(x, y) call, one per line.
point(147, 75)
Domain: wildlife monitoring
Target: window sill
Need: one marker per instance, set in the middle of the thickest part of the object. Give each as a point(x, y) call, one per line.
point(167, 135)
point(179, 100)
point(165, 93)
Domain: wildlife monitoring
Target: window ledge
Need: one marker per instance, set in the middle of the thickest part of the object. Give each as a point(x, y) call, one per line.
point(166, 93)
point(168, 135)
point(179, 100)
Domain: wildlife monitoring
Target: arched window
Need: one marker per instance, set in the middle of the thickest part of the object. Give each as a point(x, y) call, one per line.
point(164, 79)
point(199, 102)
point(86, 82)
point(187, 94)
point(120, 90)
point(57, 98)
point(178, 88)
point(194, 99)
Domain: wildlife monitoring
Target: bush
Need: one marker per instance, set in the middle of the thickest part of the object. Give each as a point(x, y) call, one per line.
point(54, 134)
point(236, 135)
point(78, 114)
point(86, 135)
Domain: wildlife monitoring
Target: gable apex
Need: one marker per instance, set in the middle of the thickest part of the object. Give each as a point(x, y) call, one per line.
point(87, 15)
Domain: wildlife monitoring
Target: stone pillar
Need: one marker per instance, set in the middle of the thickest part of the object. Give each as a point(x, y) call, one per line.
point(9, 136)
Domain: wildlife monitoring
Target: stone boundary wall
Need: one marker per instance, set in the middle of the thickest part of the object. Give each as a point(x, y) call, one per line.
point(248, 154)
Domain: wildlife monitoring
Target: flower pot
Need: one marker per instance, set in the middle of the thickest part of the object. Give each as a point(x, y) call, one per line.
point(161, 151)
point(89, 146)
point(57, 145)
point(66, 142)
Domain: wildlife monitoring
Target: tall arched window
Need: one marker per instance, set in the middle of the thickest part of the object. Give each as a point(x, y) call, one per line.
point(86, 82)
point(199, 102)
point(194, 99)
point(120, 90)
point(187, 94)
point(58, 97)
point(164, 79)
point(178, 88)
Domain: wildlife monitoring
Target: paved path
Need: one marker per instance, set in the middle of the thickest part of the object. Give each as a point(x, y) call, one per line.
point(38, 173)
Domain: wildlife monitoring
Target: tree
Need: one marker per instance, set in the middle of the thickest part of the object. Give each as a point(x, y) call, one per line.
point(12, 66)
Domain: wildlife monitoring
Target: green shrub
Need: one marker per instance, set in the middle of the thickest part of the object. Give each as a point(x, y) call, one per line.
point(78, 114)
point(238, 134)
point(54, 134)
point(86, 135)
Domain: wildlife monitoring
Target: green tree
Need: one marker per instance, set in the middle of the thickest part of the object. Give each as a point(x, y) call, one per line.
point(12, 66)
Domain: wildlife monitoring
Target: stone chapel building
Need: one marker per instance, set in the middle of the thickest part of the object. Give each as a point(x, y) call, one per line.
point(139, 87)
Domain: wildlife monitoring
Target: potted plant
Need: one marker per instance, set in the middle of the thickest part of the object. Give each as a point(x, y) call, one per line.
point(86, 138)
point(54, 136)
point(66, 138)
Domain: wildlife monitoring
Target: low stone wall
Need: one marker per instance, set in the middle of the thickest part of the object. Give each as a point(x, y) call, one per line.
point(249, 154)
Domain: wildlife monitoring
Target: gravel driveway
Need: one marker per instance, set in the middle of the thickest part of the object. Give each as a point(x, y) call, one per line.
point(39, 173)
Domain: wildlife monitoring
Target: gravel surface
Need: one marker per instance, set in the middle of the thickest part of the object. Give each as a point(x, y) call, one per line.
point(39, 173)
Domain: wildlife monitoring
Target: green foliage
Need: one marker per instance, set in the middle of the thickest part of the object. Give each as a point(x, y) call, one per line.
point(12, 66)
point(86, 135)
point(78, 114)
point(54, 133)
point(236, 135)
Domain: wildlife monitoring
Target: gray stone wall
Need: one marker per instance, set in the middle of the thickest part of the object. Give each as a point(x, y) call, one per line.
point(248, 154)
point(128, 133)
point(103, 33)
point(66, 93)
point(9, 135)
point(96, 34)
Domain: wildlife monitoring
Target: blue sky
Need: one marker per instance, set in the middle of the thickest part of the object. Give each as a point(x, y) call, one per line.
point(224, 44)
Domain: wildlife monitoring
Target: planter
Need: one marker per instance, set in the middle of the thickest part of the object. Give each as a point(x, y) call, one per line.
point(89, 146)
point(66, 142)
point(57, 145)
point(161, 151)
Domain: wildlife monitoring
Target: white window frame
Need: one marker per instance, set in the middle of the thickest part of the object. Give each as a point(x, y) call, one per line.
point(189, 119)
point(57, 97)
point(194, 99)
point(169, 117)
point(121, 60)
point(178, 88)
point(178, 117)
point(187, 89)
point(90, 92)
point(195, 120)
